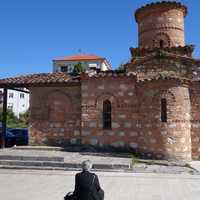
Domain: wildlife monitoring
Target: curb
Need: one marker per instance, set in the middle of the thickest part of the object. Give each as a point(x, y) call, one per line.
point(60, 168)
point(22, 163)
point(32, 158)
point(40, 148)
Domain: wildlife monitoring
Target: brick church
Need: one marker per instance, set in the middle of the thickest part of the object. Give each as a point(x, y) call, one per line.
point(152, 106)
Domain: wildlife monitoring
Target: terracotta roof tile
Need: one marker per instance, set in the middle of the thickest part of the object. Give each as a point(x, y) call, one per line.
point(42, 78)
point(165, 75)
point(110, 73)
point(159, 55)
point(181, 50)
point(80, 57)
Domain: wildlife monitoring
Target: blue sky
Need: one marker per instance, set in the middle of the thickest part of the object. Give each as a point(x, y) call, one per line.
point(33, 32)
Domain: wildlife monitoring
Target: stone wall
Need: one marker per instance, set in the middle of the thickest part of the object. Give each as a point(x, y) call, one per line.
point(195, 120)
point(55, 115)
point(121, 92)
point(71, 115)
point(136, 116)
point(169, 139)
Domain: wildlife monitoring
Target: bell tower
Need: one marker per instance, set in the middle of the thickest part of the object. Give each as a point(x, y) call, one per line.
point(161, 24)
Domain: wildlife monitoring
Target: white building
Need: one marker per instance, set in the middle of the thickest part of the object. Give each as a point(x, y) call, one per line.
point(88, 62)
point(17, 101)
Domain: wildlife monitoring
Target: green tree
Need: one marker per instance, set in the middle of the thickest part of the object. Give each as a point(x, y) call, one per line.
point(78, 68)
point(120, 67)
point(24, 118)
point(13, 121)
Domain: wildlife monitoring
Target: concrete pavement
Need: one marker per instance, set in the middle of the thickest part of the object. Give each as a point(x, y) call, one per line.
point(52, 185)
point(195, 165)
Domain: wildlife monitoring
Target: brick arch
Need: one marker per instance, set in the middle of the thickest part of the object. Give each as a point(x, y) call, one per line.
point(151, 102)
point(164, 94)
point(162, 37)
point(168, 94)
point(59, 105)
point(103, 97)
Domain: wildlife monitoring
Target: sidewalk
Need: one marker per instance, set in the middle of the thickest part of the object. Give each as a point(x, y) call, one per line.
point(195, 165)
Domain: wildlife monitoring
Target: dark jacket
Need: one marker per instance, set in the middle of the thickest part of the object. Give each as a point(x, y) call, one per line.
point(84, 189)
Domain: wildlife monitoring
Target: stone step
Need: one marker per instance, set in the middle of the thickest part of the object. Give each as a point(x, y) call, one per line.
point(17, 167)
point(32, 158)
point(40, 148)
point(58, 165)
point(32, 163)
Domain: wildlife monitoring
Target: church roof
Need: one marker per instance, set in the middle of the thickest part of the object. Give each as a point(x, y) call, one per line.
point(39, 79)
point(141, 77)
point(164, 75)
point(181, 50)
point(160, 54)
point(62, 79)
point(109, 73)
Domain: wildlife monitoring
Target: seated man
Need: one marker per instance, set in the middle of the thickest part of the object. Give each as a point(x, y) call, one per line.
point(87, 184)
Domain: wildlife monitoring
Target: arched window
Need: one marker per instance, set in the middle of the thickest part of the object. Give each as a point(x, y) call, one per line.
point(107, 114)
point(161, 43)
point(163, 110)
point(161, 40)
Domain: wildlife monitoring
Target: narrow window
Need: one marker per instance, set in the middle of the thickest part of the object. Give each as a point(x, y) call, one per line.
point(163, 110)
point(10, 106)
point(21, 95)
point(161, 43)
point(64, 68)
point(107, 115)
point(11, 95)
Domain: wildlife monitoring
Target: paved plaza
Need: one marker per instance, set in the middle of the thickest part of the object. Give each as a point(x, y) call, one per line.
point(52, 185)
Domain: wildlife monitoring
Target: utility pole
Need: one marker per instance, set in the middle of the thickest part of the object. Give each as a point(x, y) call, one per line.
point(4, 117)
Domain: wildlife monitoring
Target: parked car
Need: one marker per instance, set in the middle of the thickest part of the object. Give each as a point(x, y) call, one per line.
point(10, 139)
point(20, 136)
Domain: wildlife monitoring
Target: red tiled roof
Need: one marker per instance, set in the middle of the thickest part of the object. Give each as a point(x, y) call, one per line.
point(164, 75)
point(80, 57)
point(160, 55)
point(39, 79)
point(181, 50)
point(61, 78)
point(109, 73)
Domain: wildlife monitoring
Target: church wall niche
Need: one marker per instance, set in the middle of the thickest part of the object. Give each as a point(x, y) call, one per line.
point(55, 115)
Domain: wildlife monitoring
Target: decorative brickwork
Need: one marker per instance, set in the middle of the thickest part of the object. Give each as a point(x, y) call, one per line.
point(169, 139)
point(161, 25)
point(121, 92)
point(55, 115)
